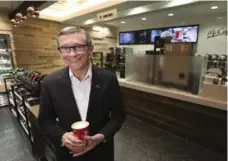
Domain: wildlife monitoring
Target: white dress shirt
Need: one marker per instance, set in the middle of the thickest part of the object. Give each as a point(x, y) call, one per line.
point(81, 90)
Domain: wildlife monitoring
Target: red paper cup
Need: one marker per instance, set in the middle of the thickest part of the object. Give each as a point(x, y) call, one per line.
point(80, 129)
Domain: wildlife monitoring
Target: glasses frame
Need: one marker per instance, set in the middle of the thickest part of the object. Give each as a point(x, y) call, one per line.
point(74, 48)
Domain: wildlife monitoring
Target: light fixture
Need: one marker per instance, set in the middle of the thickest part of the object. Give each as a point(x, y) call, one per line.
point(17, 23)
point(18, 16)
point(219, 18)
point(144, 18)
point(37, 13)
point(170, 14)
point(214, 7)
point(122, 22)
point(89, 21)
point(30, 11)
point(24, 18)
point(12, 21)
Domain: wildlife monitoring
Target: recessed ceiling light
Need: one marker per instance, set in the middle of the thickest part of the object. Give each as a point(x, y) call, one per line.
point(122, 21)
point(214, 7)
point(219, 18)
point(144, 18)
point(170, 14)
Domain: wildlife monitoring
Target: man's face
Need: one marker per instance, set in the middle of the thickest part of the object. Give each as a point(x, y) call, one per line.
point(74, 51)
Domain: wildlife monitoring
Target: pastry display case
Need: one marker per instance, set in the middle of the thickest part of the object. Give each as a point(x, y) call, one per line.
point(6, 63)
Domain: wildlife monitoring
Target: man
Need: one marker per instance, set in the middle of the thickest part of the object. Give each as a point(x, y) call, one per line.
point(78, 92)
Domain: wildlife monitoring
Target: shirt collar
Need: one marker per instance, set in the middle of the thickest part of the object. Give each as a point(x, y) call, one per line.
point(88, 74)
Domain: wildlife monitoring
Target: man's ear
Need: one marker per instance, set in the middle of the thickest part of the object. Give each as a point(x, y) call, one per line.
point(91, 47)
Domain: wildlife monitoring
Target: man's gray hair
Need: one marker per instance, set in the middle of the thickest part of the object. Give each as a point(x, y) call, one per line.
point(73, 29)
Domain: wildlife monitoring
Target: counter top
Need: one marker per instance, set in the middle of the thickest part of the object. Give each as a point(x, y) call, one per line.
point(35, 110)
point(173, 93)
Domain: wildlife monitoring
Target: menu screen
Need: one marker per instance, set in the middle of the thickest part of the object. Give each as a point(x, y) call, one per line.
point(185, 34)
point(127, 38)
point(142, 37)
point(177, 34)
point(165, 32)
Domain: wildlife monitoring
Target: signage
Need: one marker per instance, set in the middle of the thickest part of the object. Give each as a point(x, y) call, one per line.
point(217, 32)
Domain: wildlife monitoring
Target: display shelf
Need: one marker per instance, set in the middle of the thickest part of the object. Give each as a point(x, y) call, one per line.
point(18, 96)
point(27, 104)
point(14, 113)
point(17, 91)
point(24, 127)
point(11, 101)
point(21, 114)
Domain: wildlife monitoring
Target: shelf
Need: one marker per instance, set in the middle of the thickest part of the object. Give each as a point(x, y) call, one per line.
point(14, 113)
point(26, 103)
point(20, 98)
point(97, 59)
point(4, 54)
point(24, 127)
point(22, 115)
point(11, 101)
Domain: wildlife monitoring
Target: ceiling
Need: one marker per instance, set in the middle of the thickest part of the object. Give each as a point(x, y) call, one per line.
point(79, 20)
point(67, 9)
point(191, 11)
point(9, 6)
point(155, 11)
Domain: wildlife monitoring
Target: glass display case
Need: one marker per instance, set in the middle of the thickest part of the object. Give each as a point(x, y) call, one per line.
point(173, 72)
point(6, 63)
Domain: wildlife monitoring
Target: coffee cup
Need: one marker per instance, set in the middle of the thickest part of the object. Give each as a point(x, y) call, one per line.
point(80, 129)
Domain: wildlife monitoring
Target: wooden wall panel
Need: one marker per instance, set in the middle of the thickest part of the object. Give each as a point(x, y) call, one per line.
point(35, 45)
point(201, 124)
point(103, 37)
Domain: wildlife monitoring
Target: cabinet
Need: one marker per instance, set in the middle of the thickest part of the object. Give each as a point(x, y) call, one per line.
point(16, 95)
point(6, 64)
point(97, 59)
point(22, 104)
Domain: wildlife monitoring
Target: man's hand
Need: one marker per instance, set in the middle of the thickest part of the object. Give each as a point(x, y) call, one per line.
point(93, 141)
point(72, 143)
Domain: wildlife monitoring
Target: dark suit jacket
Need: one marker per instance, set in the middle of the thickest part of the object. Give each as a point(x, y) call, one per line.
point(105, 112)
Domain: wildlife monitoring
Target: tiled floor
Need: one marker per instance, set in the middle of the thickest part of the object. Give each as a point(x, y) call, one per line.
point(136, 141)
point(14, 145)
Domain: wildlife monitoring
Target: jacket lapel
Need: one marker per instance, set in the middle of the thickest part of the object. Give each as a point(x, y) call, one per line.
point(68, 94)
point(94, 100)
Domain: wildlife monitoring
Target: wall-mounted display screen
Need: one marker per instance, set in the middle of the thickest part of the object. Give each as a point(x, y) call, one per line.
point(185, 34)
point(171, 34)
point(127, 38)
point(177, 34)
point(142, 37)
point(165, 32)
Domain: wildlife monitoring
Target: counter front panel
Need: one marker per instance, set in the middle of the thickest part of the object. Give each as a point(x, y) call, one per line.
point(201, 124)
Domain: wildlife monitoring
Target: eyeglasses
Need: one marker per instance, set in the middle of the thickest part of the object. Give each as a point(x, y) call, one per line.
point(76, 48)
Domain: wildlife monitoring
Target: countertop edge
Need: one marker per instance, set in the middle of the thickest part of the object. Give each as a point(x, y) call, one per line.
point(175, 94)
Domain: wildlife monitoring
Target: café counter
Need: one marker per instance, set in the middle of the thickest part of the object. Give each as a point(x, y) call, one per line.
point(193, 117)
point(173, 93)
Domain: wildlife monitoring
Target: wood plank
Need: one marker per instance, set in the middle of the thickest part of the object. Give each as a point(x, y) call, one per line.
point(58, 62)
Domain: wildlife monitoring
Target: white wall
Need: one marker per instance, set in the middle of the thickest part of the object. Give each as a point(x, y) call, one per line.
point(212, 45)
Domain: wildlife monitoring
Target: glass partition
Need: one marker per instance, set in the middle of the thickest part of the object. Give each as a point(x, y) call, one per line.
point(180, 72)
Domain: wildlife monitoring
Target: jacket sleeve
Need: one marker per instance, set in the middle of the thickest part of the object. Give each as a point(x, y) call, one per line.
point(47, 117)
point(117, 112)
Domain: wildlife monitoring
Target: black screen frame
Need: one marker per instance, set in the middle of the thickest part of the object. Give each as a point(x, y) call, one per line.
point(160, 28)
